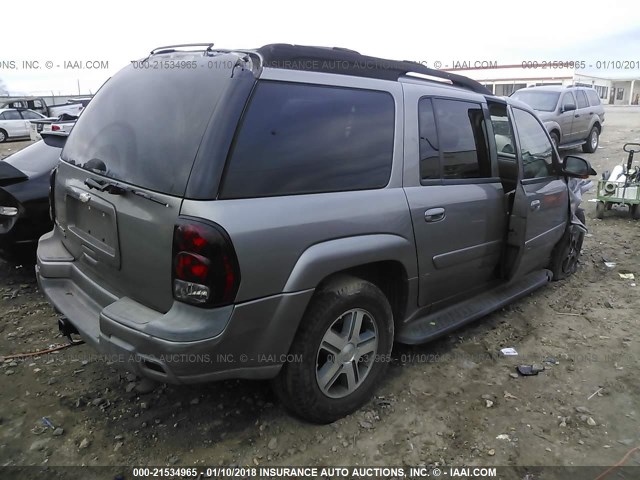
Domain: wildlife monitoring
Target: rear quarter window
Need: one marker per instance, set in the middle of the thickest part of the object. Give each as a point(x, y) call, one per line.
point(581, 99)
point(300, 138)
point(592, 95)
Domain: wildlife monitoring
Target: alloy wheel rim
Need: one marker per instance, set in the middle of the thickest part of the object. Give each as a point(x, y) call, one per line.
point(594, 139)
point(346, 353)
point(571, 260)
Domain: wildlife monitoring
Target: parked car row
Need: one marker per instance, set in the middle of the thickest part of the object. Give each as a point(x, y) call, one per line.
point(73, 106)
point(16, 123)
point(298, 216)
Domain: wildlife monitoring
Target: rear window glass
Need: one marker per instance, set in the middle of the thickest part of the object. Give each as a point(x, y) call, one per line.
point(592, 95)
point(538, 100)
point(298, 138)
point(145, 125)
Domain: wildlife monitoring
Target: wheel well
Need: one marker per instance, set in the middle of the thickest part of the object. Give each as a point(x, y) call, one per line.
point(556, 131)
point(389, 276)
point(597, 125)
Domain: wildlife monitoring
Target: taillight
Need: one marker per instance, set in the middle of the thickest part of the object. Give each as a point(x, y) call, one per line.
point(55, 128)
point(52, 187)
point(205, 266)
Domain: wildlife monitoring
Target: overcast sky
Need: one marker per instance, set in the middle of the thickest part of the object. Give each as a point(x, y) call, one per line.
point(119, 31)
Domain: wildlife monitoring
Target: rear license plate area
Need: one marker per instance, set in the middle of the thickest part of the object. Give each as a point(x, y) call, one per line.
point(94, 224)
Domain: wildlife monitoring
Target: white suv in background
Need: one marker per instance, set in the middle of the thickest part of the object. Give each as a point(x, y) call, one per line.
point(16, 123)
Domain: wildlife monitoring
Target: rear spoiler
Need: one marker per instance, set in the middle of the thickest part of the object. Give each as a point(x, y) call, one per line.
point(55, 139)
point(10, 175)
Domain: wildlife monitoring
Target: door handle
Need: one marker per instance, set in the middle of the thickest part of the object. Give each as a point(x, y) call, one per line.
point(590, 113)
point(434, 214)
point(535, 205)
point(576, 116)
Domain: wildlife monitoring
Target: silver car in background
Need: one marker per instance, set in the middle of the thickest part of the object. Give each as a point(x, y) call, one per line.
point(573, 116)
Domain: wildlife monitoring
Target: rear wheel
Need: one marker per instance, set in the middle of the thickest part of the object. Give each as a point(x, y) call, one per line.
point(3, 136)
point(600, 210)
point(635, 211)
point(340, 352)
point(592, 141)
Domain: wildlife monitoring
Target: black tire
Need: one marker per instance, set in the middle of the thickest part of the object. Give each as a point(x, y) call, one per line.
point(600, 207)
point(581, 216)
point(297, 385)
point(635, 211)
point(593, 140)
point(3, 136)
point(564, 259)
point(555, 138)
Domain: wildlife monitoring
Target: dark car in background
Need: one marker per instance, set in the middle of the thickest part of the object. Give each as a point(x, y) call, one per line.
point(24, 197)
point(573, 116)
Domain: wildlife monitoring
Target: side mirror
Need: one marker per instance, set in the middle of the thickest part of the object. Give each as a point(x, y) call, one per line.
point(577, 167)
point(568, 107)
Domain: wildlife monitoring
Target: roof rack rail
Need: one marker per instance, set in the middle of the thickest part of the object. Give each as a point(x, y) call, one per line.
point(350, 62)
point(171, 48)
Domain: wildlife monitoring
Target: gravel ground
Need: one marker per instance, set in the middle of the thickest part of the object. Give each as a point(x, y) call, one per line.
point(455, 401)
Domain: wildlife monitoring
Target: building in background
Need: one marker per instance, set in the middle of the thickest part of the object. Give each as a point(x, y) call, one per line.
point(503, 80)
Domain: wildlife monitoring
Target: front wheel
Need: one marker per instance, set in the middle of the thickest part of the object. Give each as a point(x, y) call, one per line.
point(600, 207)
point(592, 141)
point(635, 211)
point(340, 352)
point(3, 136)
point(564, 260)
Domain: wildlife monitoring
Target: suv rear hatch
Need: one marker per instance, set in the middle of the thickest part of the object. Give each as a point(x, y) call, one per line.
point(125, 168)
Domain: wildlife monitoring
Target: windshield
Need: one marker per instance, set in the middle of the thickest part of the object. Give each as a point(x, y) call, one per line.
point(145, 124)
point(541, 101)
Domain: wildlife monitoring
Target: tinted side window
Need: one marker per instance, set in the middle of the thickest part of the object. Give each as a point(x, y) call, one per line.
point(429, 149)
point(27, 115)
point(582, 99)
point(568, 99)
point(535, 148)
point(298, 138)
point(463, 140)
point(12, 115)
point(592, 95)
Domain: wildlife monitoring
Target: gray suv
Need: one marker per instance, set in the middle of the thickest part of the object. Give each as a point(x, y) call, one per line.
point(300, 210)
point(572, 115)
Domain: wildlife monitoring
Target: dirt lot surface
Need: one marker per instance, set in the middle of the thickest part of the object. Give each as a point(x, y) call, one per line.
point(456, 401)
